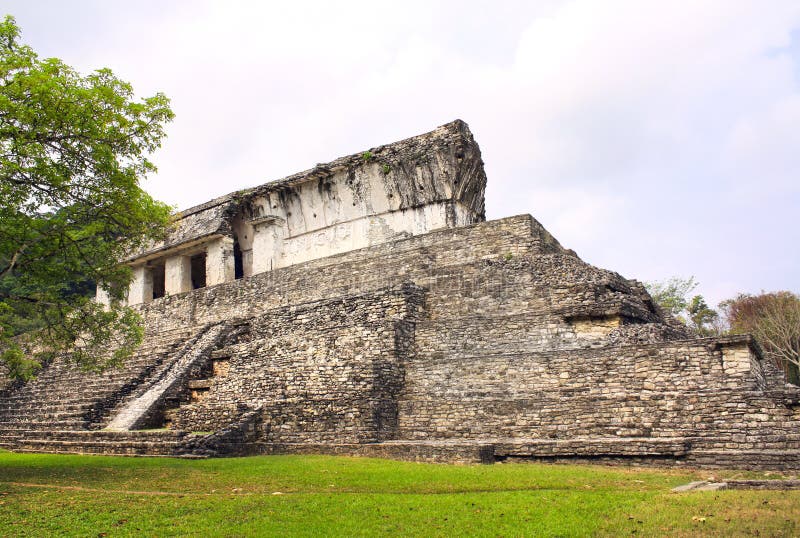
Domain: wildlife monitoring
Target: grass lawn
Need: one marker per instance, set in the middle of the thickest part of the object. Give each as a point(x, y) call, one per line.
point(51, 495)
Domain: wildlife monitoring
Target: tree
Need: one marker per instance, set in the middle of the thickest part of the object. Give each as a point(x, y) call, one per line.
point(671, 293)
point(672, 296)
point(774, 320)
point(73, 150)
point(702, 318)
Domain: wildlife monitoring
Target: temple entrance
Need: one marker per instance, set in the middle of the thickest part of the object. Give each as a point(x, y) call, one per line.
point(158, 281)
point(238, 264)
point(198, 268)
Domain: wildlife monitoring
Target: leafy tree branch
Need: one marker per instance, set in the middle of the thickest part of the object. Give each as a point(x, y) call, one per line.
point(73, 151)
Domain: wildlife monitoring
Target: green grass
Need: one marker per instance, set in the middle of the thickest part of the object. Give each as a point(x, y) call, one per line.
point(49, 495)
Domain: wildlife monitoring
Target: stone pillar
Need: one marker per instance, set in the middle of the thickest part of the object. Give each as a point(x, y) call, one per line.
point(177, 275)
point(101, 297)
point(247, 263)
point(267, 243)
point(141, 288)
point(220, 262)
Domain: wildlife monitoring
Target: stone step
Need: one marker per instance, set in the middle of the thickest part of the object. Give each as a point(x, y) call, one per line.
point(79, 390)
point(47, 414)
point(58, 406)
point(111, 435)
point(18, 409)
point(121, 448)
point(89, 380)
point(104, 386)
point(53, 416)
point(83, 403)
point(51, 450)
point(46, 425)
point(156, 354)
point(32, 408)
point(200, 383)
point(132, 443)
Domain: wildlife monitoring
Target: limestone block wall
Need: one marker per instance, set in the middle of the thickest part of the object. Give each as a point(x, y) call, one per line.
point(327, 371)
point(679, 389)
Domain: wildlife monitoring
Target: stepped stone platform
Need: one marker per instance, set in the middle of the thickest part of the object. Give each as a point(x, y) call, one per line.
point(434, 336)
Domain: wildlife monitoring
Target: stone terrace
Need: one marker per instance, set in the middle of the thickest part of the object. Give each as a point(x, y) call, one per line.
point(505, 346)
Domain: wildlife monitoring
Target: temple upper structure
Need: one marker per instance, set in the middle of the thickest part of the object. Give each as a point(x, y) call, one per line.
point(428, 182)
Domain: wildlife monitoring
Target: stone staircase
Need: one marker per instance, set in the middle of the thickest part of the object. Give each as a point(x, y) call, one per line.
point(146, 405)
point(64, 409)
point(198, 387)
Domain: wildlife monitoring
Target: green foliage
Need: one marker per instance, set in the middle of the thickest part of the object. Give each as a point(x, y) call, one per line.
point(672, 295)
point(367, 156)
point(386, 169)
point(19, 365)
point(702, 318)
point(50, 495)
point(73, 150)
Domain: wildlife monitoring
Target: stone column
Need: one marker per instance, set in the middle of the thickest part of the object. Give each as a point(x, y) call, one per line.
point(247, 263)
point(268, 236)
point(177, 274)
point(101, 297)
point(220, 262)
point(141, 288)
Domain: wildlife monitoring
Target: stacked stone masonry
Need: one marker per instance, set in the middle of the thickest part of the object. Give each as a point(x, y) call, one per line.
point(460, 340)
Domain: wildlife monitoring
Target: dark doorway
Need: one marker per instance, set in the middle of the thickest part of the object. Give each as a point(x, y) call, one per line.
point(238, 265)
point(158, 281)
point(199, 271)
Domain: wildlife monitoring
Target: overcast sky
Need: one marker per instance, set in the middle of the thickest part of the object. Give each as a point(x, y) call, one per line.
point(654, 138)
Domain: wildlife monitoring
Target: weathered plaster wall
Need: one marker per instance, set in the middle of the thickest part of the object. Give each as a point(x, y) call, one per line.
point(411, 187)
point(367, 231)
point(177, 274)
point(219, 261)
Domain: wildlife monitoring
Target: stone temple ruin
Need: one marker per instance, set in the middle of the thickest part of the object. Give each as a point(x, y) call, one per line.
point(366, 307)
